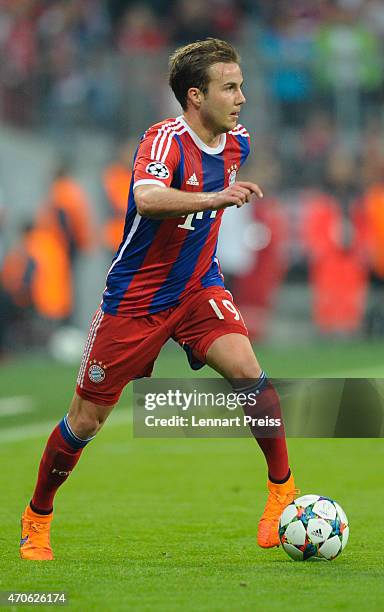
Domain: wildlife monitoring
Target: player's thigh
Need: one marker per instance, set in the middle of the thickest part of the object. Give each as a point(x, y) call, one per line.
point(118, 350)
point(85, 418)
point(213, 329)
point(232, 356)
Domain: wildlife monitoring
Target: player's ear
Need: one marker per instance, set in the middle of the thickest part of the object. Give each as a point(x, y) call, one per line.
point(194, 96)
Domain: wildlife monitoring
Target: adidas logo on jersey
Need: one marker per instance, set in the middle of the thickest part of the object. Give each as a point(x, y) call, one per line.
point(193, 180)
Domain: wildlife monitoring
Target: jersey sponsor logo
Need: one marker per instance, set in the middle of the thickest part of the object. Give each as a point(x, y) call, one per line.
point(193, 180)
point(158, 169)
point(96, 371)
point(232, 171)
point(188, 223)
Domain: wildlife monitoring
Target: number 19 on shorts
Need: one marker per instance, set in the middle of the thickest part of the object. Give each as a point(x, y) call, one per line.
point(225, 304)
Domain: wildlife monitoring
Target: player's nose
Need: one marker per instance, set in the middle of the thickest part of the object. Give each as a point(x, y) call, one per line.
point(241, 98)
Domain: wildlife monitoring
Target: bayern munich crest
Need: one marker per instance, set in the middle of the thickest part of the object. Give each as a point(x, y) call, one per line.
point(158, 169)
point(232, 171)
point(96, 371)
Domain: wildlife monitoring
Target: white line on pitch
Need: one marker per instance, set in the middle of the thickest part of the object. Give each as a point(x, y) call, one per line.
point(36, 430)
point(17, 404)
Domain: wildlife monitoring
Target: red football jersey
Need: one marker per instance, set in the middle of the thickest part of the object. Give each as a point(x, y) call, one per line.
point(159, 262)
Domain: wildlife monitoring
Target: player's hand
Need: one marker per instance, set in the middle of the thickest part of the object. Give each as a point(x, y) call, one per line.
point(237, 194)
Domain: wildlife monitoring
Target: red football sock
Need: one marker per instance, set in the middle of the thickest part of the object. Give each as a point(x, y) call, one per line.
point(60, 456)
point(276, 455)
point(271, 440)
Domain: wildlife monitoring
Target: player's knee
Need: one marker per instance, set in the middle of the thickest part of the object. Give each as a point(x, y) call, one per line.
point(246, 369)
point(85, 425)
point(86, 418)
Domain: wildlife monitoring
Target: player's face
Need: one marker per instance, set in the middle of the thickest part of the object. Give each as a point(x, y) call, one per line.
point(222, 103)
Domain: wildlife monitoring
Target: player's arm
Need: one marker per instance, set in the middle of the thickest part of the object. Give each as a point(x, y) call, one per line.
point(160, 202)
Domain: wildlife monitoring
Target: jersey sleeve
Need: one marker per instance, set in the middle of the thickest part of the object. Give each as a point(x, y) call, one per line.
point(245, 143)
point(157, 158)
point(243, 138)
point(247, 146)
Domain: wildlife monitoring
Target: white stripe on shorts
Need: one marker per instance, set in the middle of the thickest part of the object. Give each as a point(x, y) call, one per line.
point(97, 319)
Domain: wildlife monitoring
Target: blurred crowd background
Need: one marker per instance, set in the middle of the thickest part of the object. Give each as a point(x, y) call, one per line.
point(80, 80)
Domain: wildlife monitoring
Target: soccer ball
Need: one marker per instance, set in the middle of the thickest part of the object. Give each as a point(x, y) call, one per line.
point(313, 527)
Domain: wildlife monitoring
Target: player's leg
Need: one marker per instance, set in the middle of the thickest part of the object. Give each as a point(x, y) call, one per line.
point(232, 355)
point(61, 454)
point(118, 350)
point(215, 333)
point(64, 447)
point(85, 418)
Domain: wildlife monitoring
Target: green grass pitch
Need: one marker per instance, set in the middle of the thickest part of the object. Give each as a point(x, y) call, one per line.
point(170, 524)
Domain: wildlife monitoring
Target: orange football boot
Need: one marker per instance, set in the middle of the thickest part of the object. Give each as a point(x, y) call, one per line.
point(35, 543)
point(280, 495)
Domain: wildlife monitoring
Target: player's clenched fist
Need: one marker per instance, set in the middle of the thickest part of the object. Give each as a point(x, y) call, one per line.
point(236, 195)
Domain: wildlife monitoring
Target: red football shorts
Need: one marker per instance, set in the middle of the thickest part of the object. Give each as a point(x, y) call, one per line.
point(120, 349)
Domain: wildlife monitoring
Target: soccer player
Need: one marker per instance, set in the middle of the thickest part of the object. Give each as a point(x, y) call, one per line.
point(165, 282)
